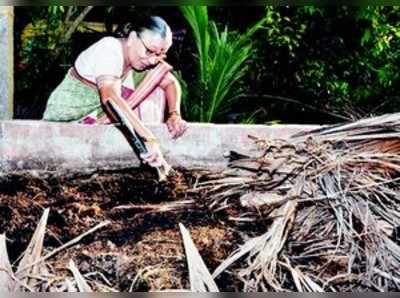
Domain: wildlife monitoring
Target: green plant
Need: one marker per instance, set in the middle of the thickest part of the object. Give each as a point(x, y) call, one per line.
point(222, 57)
point(342, 60)
point(44, 50)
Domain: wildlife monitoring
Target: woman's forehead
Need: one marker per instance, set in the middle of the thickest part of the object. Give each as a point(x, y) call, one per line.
point(155, 42)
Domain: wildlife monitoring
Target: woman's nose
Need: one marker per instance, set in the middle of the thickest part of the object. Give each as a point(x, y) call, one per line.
point(156, 59)
point(153, 60)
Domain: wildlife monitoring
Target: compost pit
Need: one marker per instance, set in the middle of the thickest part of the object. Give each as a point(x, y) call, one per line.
point(141, 250)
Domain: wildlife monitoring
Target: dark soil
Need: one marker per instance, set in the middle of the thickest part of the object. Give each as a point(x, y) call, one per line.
point(141, 250)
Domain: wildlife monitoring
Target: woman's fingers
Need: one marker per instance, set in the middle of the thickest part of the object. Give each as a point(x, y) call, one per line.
point(180, 129)
point(145, 156)
point(170, 126)
point(176, 128)
point(153, 157)
point(183, 128)
point(154, 160)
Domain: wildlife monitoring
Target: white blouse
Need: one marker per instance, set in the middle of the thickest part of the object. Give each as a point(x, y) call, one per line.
point(104, 57)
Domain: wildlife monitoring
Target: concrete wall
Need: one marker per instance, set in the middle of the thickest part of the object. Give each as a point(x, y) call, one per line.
point(48, 145)
point(6, 62)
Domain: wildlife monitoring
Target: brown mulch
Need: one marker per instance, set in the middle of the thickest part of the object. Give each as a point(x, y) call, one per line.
point(140, 251)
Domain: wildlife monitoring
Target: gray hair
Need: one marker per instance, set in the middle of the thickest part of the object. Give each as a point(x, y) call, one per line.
point(154, 24)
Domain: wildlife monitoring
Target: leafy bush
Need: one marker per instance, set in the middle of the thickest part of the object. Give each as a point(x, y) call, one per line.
point(340, 60)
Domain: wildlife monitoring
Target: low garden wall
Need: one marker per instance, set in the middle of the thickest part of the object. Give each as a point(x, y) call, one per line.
point(40, 145)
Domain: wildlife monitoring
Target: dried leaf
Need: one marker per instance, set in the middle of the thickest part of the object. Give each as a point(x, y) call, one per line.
point(80, 280)
point(33, 253)
point(200, 278)
point(258, 199)
point(6, 281)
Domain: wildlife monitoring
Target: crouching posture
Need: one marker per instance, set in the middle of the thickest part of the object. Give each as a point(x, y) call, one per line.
point(128, 69)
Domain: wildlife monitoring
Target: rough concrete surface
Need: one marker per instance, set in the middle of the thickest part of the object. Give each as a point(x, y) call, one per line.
point(44, 145)
point(6, 62)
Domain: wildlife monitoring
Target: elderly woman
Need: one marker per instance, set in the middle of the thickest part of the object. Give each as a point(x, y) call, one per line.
point(129, 70)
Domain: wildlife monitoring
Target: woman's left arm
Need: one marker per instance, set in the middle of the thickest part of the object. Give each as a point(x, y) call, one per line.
point(173, 93)
point(176, 125)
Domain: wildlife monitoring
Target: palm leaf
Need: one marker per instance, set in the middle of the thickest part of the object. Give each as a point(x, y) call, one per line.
point(28, 264)
point(6, 282)
point(200, 278)
point(222, 57)
point(197, 16)
point(82, 284)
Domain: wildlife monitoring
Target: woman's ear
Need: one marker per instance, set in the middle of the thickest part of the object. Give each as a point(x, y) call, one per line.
point(131, 38)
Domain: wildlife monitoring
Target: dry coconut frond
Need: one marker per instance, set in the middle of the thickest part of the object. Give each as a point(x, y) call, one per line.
point(32, 254)
point(259, 199)
point(303, 282)
point(347, 213)
point(263, 251)
point(200, 278)
point(6, 281)
point(32, 272)
point(83, 286)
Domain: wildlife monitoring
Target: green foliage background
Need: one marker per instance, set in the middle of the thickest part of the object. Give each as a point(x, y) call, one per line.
point(300, 64)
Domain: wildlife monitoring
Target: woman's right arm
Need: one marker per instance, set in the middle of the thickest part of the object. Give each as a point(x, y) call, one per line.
point(109, 89)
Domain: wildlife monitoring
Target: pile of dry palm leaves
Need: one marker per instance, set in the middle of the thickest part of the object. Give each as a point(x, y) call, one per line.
point(329, 202)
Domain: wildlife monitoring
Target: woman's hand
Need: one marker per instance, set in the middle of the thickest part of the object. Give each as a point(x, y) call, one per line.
point(153, 157)
point(176, 125)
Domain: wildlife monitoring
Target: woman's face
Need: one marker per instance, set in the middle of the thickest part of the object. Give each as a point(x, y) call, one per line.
point(147, 49)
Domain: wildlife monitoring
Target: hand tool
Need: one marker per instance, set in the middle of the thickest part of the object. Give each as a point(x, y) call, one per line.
point(164, 170)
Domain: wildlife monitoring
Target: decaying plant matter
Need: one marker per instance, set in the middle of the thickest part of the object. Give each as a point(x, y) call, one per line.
point(114, 230)
point(329, 201)
point(316, 212)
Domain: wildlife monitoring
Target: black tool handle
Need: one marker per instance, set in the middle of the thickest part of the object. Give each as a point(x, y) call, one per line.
point(136, 140)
